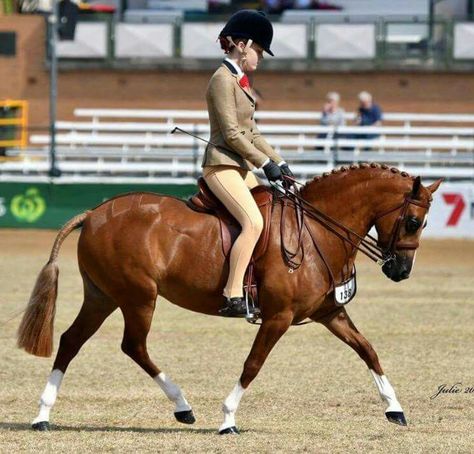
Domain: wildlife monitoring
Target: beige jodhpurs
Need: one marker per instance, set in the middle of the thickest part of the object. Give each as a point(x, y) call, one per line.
point(231, 185)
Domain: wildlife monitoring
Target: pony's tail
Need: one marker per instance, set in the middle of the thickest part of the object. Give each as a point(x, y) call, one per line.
point(35, 333)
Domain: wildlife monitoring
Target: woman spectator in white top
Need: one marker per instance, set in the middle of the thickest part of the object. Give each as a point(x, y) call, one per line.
point(332, 114)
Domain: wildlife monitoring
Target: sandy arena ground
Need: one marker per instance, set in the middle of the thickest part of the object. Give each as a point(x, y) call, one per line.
point(314, 394)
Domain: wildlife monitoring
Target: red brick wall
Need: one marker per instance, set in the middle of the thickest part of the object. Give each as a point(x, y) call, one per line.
point(26, 77)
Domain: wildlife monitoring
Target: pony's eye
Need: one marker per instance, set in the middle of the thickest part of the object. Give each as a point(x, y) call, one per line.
point(412, 225)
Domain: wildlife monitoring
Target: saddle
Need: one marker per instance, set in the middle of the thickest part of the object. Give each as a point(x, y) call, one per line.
point(204, 201)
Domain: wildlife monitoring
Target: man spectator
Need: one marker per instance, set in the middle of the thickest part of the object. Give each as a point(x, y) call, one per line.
point(368, 114)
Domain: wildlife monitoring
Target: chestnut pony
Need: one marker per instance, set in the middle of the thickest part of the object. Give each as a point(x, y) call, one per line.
point(135, 247)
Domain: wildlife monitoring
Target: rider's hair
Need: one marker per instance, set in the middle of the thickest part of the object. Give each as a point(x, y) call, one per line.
point(226, 46)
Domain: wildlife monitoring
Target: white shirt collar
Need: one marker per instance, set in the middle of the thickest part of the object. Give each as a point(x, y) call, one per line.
point(240, 73)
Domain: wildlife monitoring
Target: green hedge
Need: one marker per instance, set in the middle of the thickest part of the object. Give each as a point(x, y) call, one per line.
point(48, 205)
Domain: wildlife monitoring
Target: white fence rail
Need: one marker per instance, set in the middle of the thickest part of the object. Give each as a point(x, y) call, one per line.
point(139, 143)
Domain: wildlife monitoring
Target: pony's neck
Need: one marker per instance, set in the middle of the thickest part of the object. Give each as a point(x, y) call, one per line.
point(355, 197)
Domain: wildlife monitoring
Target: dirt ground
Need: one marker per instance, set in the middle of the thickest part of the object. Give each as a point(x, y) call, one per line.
point(314, 394)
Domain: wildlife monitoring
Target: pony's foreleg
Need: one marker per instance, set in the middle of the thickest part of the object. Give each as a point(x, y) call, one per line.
point(268, 335)
point(342, 327)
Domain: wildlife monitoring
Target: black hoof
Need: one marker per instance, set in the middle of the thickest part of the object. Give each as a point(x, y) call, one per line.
point(186, 417)
point(397, 417)
point(230, 430)
point(42, 426)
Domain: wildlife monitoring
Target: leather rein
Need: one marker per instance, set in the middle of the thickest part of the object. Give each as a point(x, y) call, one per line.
point(367, 245)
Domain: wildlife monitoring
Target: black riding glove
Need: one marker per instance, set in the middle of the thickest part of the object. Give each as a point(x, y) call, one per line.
point(272, 171)
point(285, 170)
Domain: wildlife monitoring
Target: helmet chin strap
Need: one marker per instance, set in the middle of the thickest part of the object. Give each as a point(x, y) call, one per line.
point(242, 52)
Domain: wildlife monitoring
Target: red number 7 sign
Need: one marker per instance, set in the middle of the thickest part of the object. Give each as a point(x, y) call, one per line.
point(459, 205)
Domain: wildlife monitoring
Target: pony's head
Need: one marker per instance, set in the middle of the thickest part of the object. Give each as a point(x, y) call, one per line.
point(399, 229)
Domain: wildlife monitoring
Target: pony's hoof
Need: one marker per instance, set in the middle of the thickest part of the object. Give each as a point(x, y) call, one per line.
point(229, 431)
point(186, 417)
point(397, 417)
point(42, 426)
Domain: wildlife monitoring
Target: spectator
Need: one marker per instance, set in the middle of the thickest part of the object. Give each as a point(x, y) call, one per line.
point(332, 114)
point(368, 114)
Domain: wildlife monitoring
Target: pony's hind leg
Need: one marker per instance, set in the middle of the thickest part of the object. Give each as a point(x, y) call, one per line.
point(341, 326)
point(137, 325)
point(95, 309)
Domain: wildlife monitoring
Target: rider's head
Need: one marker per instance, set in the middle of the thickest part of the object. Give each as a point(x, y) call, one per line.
point(245, 37)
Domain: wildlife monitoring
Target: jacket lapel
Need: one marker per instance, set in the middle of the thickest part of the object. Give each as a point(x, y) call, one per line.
point(232, 70)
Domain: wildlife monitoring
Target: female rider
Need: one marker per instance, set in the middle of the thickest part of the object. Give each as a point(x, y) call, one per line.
point(237, 146)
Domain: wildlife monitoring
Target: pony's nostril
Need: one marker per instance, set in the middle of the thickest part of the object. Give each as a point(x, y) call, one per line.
point(404, 274)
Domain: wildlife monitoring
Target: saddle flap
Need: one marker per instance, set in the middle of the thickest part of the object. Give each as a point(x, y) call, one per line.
point(205, 201)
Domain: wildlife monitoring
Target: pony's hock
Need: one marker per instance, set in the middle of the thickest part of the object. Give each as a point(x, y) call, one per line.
point(178, 254)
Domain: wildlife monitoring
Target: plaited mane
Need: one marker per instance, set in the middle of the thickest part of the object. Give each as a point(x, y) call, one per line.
point(352, 167)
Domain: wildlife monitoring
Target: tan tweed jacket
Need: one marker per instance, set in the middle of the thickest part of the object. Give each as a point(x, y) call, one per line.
point(231, 114)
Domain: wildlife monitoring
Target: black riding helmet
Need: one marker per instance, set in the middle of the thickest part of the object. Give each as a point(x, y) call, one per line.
point(250, 24)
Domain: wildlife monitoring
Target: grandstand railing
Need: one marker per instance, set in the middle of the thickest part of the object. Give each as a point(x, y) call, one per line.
point(313, 42)
point(146, 149)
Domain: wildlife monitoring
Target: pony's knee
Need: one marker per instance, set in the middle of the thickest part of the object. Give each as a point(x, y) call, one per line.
point(367, 352)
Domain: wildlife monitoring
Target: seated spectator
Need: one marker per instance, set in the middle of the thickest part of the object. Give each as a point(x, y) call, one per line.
point(332, 114)
point(368, 114)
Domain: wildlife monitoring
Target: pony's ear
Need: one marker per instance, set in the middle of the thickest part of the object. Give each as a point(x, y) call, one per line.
point(416, 188)
point(433, 187)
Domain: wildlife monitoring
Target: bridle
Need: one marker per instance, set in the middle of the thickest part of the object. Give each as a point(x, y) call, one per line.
point(368, 245)
point(394, 243)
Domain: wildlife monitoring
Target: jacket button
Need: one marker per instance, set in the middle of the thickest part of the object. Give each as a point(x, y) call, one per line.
point(251, 129)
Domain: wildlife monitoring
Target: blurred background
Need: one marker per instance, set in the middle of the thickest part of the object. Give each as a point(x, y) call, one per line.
point(90, 91)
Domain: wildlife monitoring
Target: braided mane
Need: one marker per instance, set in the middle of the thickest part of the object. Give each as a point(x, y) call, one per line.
point(362, 165)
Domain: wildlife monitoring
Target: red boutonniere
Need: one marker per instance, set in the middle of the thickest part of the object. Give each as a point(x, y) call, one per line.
point(244, 81)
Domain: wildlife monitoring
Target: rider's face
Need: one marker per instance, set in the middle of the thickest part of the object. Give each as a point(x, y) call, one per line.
point(254, 56)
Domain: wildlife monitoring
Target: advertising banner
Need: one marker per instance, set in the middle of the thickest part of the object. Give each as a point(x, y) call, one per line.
point(44, 205)
point(452, 212)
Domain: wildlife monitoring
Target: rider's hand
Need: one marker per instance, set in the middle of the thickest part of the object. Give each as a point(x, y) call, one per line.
point(272, 171)
point(285, 170)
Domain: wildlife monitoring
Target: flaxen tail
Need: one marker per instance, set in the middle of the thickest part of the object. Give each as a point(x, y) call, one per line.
point(35, 333)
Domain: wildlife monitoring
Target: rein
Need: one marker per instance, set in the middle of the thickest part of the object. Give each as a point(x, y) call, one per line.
point(367, 245)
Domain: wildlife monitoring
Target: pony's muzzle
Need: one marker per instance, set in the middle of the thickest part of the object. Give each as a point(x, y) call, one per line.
point(397, 269)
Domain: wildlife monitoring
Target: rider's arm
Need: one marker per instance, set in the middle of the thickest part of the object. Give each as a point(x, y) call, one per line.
point(222, 96)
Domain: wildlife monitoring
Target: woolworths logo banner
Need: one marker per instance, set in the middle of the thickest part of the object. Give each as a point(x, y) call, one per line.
point(49, 205)
point(28, 207)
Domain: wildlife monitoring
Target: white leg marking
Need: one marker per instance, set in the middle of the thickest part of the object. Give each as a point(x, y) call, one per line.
point(173, 392)
point(48, 398)
point(230, 406)
point(386, 392)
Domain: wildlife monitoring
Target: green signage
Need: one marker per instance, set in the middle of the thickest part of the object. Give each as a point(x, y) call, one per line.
point(28, 207)
point(49, 205)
